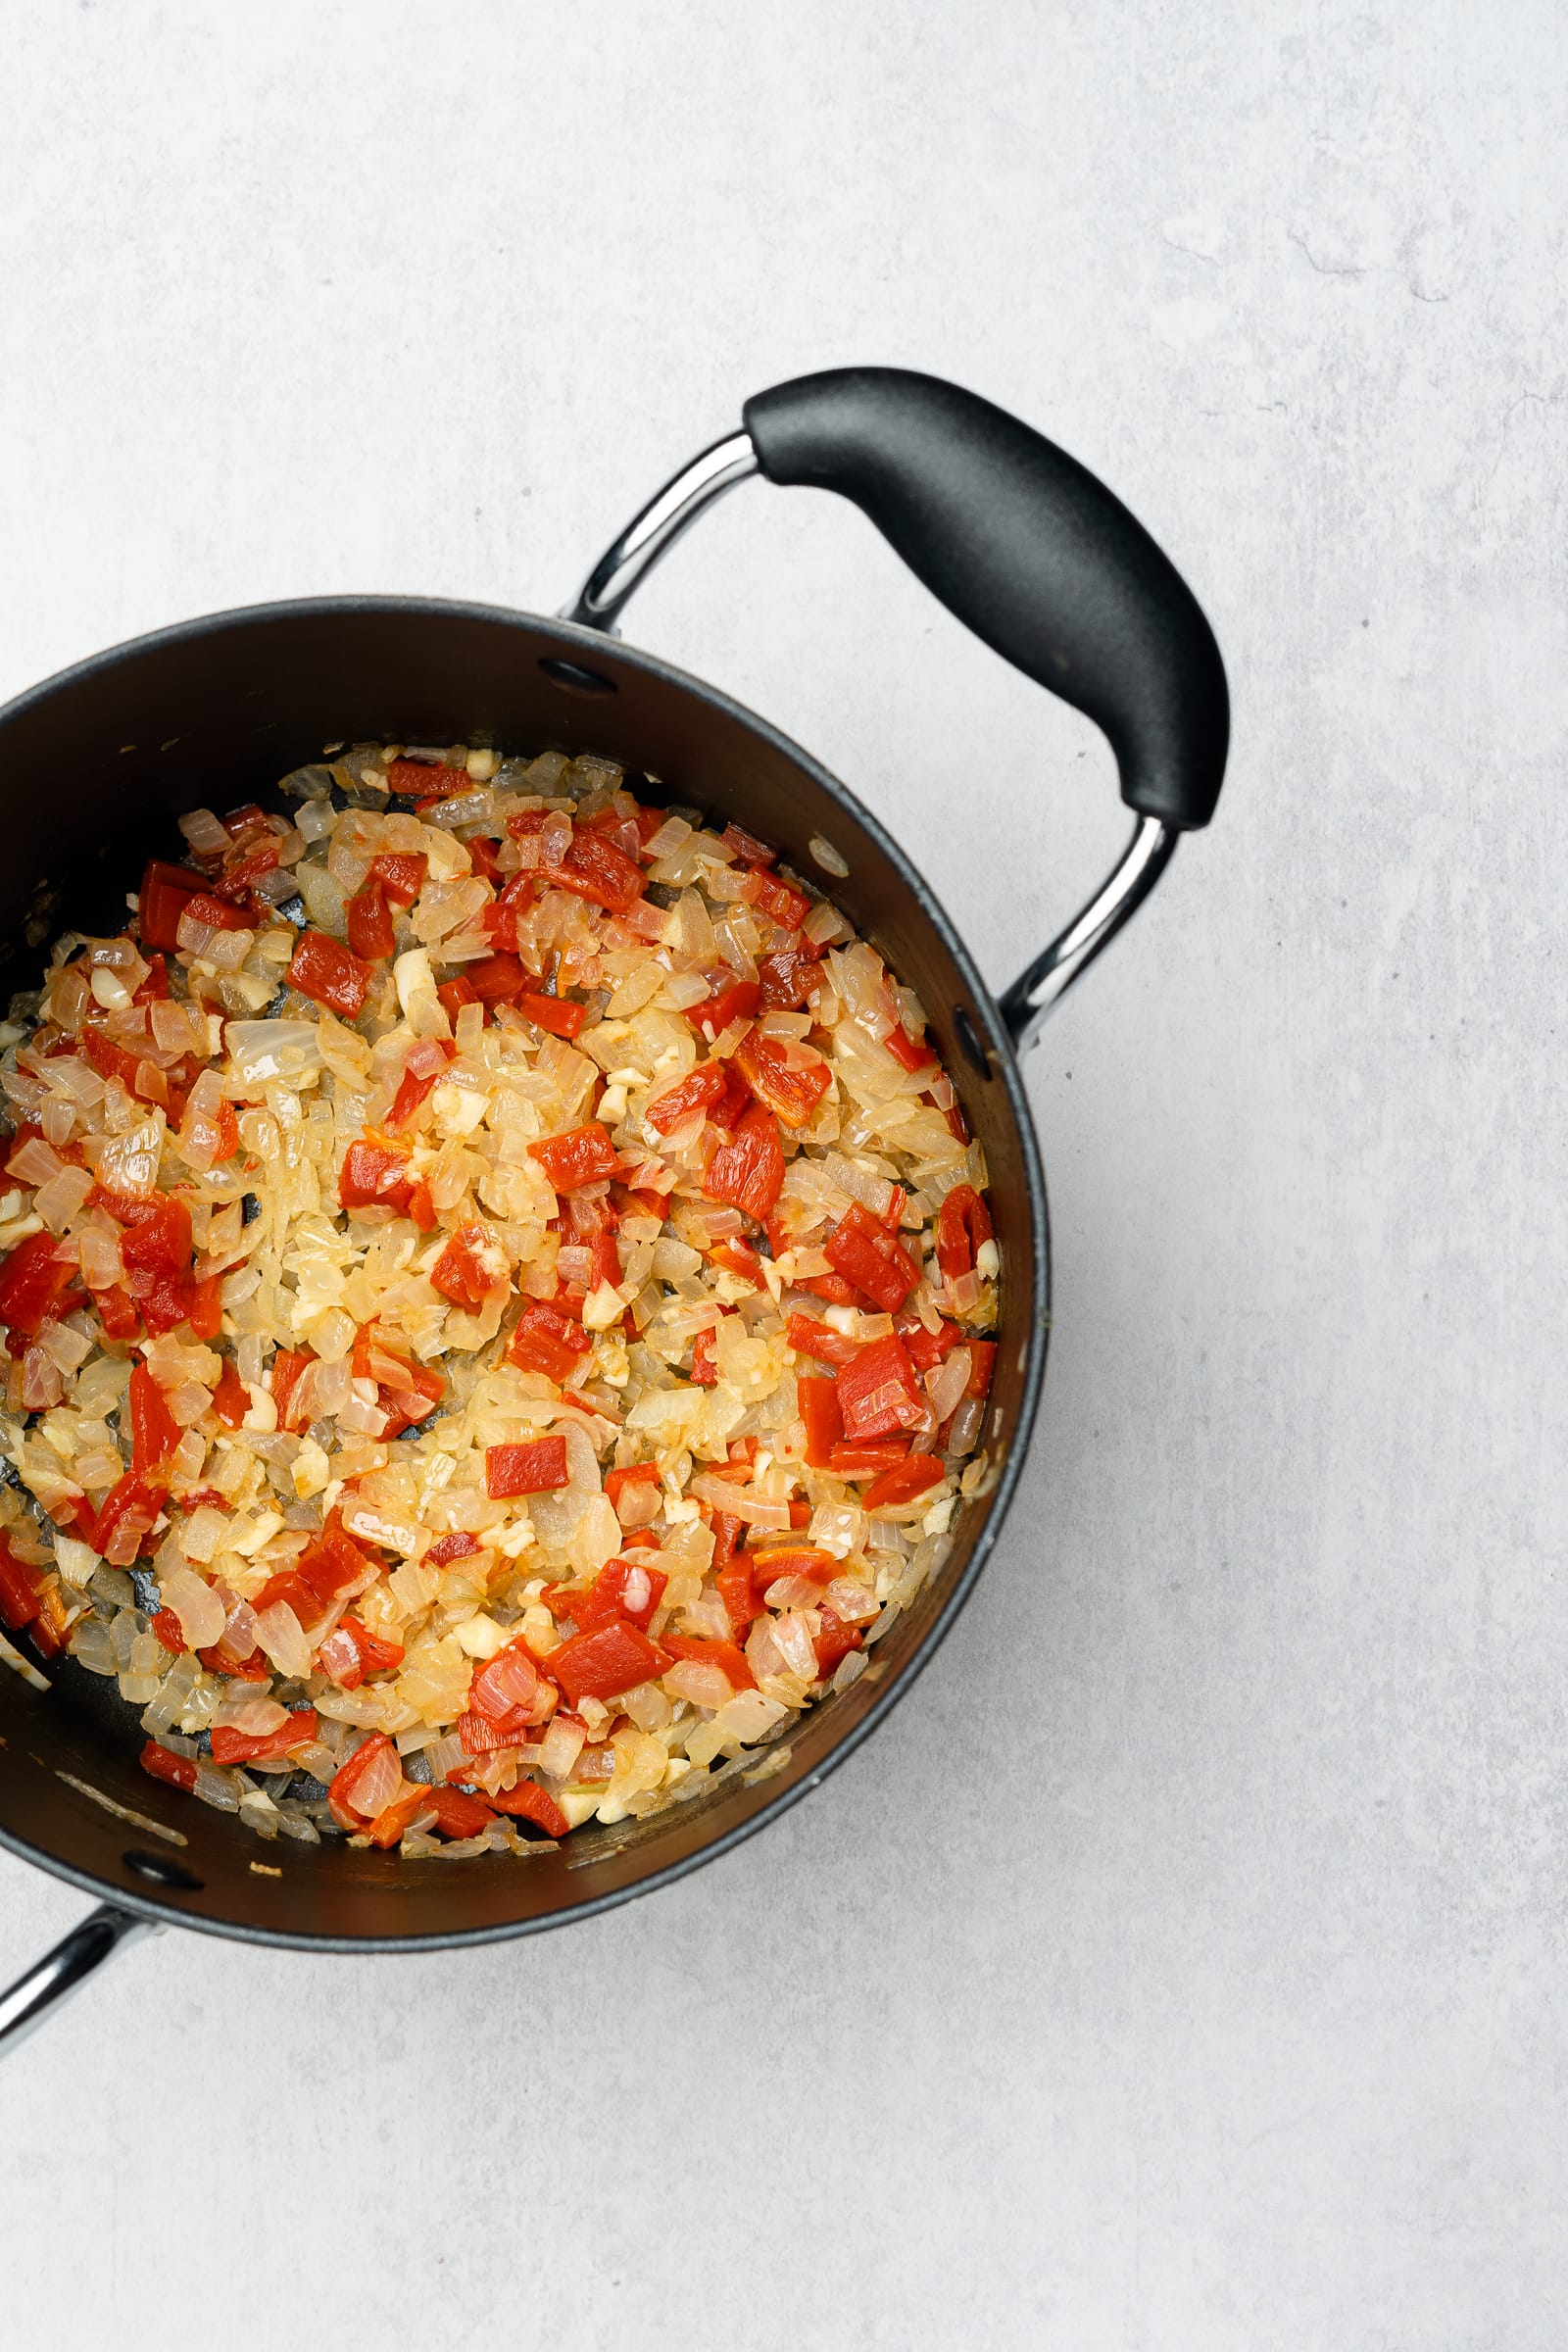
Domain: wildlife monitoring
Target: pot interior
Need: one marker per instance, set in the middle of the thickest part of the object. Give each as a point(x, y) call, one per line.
point(96, 765)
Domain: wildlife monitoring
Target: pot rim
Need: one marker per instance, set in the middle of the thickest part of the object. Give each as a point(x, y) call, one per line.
point(594, 645)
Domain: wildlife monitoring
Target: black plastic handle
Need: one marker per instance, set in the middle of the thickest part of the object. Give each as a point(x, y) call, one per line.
point(1027, 549)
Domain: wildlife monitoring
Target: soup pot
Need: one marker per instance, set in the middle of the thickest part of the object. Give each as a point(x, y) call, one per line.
point(1020, 543)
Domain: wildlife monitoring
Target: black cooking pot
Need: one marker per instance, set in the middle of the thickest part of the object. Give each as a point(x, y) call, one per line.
point(1022, 544)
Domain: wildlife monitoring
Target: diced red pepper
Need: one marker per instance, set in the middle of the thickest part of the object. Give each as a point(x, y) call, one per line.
point(217, 913)
point(927, 1349)
point(483, 1737)
point(902, 1481)
point(170, 1633)
point(156, 984)
point(865, 1253)
point(704, 1366)
point(748, 849)
point(231, 1398)
point(401, 874)
point(232, 1746)
point(340, 1792)
point(911, 1053)
point(622, 1589)
point(525, 1800)
point(638, 1474)
point(109, 1059)
point(831, 1287)
point(288, 1364)
point(246, 818)
point(738, 1257)
point(562, 1017)
point(457, 1813)
point(731, 1001)
point(869, 1458)
point(470, 1268)
point(536, 1467)
point(497, 979)
point(964, 1222)
point(777, 900)
point(453, 995)
point(818, 1401)
point(807, 1560)
point(19, 1590)
point(482, 853)
point(739, 1595)
point(431, 1056)
point(810, 1336)
point(730, 1662)
point(32, 1281)
point(795, 1093)
point(392, 1822)
point(120, 1532)
point(601, 1664)
point(878, 1394)
point(748, 1173)
point(546, 1341)
point(117, 1310)
point(165, 893)
point(982, 1364)
point(154, 1431)
point(425, 780)
point(178, 1771)
point(787, 978)
point(697, 1091)
point(582, 1155)
point(323, 969)
point(204, 1310)
point(369, 922)
point(834, 1642)
point(598, 870)
point(459, 1545)
point(351, 1651)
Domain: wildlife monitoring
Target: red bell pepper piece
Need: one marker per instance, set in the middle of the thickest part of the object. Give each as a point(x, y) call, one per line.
point(731, 1001)
point(810, 1336)
point(777, 900)
point(459, 1545)
point(231, 1398)
point(748, 1173)
point(117, 1310)
point(471, 1267)
point(818, 1402)
point(427, 1061)
point(156, 983)
point(154, 1431)
point(869, 1458)
point(536, 1467)
point(602, 1663)
point(375, 1175)
point(730, 1662)
point(425, 780)
point(964, 1222)
point(231, 1746)
point(787, 978)
point(927, 1349)
point(902, 1481)
point(598, 870)
point(109, 1059)
point(638, 1474)
point(525, 1800)
point(120, 1532)
point(217, 913)
point(704, 1368)
point(910, 1053)
point(738, 1257)
point(878, 1394)
point(457, 1813)
point(562, 1017)
point(369, 922)
point(393, 1819)
point(170, 1633)
point(546, 1341)
point(401, 874)
point(289, 1363)
point(340, 1790)
point(808, 1560)
point(323, 969)
point(834, 1642)
point(32, 1281)
point(165, 893)
point(453, 995)
point(699, 1091)
point(739, 1595)
point(483, 1737)
point(497, 979)
point(865, 1253)
point(178, 1771)
point(622, 1589)
point(794, 1094)
point(19, 1590)
point(582, 1155)
point(982, 1364)
point(204, 1310)
point(749, 851)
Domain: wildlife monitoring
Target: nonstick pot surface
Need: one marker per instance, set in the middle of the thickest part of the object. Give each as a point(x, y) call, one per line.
point(98, 763)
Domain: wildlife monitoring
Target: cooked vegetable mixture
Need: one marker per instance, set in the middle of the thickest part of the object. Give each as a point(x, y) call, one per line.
point(496, 1293)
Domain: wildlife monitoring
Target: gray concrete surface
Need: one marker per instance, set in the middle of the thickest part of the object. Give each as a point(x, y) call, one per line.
point(1183, 1967)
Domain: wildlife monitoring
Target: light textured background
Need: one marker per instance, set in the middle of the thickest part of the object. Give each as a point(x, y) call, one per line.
point(1183, 1966)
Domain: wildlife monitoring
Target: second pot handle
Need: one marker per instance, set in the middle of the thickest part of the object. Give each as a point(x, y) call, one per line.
point(1026, 547)
point(1031, 552)
point(51, 1981)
